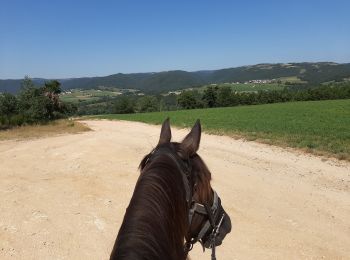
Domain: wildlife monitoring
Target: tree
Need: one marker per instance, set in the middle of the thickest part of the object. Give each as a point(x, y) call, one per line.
point(168, 102)
point(187, 100)
point(53, 87)
point(124, 105)
point(27, 83)
point(8, 107)
point(148, 104)
point(224, 96)
point(210, 97)
point(34, 105)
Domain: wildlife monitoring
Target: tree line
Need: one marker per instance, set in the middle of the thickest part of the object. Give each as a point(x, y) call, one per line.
point(41, 104)
point(212, 97)
point(33, 104)
point(128, 103)
point(225, 96)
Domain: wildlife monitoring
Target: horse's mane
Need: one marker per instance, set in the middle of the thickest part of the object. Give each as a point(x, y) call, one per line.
point(200, 172)
point(155, 221)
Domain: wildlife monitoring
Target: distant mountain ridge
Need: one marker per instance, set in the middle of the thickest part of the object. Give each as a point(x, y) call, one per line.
point(312, 73)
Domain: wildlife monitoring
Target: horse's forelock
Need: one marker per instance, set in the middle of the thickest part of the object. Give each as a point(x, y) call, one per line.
point(156, 211)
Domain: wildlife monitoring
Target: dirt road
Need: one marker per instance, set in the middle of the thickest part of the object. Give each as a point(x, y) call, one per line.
point(64, 197)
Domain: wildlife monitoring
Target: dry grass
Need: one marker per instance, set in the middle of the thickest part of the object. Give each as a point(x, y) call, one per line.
point(57, 127)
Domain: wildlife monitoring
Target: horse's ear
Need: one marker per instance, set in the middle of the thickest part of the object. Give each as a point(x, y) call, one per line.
point(165, 133)
point(191, 142)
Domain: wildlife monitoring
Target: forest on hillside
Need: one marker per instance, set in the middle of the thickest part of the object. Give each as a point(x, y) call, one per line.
point(311, 74)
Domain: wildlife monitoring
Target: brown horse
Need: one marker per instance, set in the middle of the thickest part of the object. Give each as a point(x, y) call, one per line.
point(173, 205)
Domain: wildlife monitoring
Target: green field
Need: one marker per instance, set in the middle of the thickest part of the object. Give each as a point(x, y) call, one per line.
point(320, 127)
point(293, 79)
point(78, 95)
point(83, 95)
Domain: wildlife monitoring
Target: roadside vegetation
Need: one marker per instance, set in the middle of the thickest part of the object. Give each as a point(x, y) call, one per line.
point(33, 105)
point(319, 127)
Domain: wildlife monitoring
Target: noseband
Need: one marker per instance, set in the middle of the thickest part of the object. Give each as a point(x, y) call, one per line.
point(213, 213)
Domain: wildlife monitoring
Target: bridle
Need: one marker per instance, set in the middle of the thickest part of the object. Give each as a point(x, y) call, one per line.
point(214, 213)
point(215, 217)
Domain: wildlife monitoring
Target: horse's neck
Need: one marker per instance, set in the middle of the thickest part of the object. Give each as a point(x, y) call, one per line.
point(153, 224)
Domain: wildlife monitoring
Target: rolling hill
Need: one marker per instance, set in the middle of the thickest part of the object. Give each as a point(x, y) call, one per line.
point(157, 82)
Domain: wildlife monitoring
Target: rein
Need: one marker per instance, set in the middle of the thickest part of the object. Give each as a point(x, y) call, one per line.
point(212, 212)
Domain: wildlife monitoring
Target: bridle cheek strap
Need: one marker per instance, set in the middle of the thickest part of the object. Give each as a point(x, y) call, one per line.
point(194, 207)
point(207, 211)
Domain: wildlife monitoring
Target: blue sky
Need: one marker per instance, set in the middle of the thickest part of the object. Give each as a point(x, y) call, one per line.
point(66, 38)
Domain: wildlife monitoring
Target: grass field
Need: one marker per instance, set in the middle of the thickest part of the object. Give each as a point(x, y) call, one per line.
point(78, 95)
point(320, 127)
point(53, 128)
point(292, 79)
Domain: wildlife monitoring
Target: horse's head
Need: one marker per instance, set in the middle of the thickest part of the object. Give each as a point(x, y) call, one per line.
point(208, 222)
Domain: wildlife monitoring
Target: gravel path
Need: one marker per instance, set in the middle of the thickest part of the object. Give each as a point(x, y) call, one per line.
point(64, 197)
